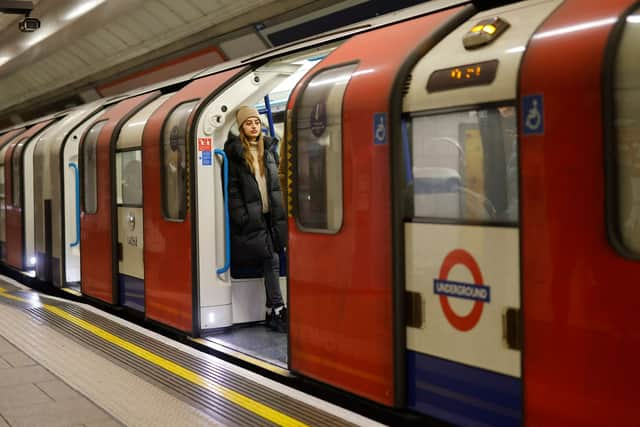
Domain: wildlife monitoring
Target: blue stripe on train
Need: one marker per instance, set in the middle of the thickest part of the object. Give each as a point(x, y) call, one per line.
point(131, 292)
point(462, 395)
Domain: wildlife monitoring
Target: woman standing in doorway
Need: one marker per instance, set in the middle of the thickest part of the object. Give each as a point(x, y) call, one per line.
point(256, 209)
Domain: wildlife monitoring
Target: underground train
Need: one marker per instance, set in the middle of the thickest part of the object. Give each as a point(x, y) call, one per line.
point(463, 191)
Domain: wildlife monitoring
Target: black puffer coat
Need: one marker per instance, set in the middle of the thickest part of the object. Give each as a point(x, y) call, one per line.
point(252, 240)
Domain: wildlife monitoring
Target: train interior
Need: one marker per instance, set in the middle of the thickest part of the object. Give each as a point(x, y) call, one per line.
point(268, 89)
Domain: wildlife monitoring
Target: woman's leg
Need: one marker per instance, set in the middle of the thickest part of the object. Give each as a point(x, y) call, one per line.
point(271, 269)
point(277, 312)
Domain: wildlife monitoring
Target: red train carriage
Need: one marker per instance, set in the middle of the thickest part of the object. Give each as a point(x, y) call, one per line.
point(579, 251)
point(19, 207)
point(5, 138)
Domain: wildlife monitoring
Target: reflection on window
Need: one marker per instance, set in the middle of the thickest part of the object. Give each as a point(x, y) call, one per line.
point(89, 168)
point(465, 166)
point(174, 163)
point(2, 198)
point(627, 128)
point(129, 177)
point(319, 150)
point(16, 172)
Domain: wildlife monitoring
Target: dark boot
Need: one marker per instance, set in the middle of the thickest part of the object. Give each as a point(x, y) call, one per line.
point(278, 322)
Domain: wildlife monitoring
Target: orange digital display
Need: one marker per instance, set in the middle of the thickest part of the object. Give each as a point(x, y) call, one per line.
point(481, 73)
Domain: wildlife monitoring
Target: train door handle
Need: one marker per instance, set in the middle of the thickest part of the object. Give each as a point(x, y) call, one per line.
point(74, 167)
point(414, 317)
point(512, 328)
point(225, 184)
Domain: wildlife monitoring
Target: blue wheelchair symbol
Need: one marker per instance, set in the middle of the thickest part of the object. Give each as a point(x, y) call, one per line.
point(380, 128)
point(533, 115)
point(206, 158)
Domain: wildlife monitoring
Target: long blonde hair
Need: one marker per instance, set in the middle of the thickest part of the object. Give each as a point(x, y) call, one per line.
point(248, 153)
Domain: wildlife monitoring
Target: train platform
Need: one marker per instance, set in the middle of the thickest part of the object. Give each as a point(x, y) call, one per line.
point(64, 363)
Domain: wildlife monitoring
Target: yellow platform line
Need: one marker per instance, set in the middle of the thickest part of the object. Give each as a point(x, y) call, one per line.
point(239, 399)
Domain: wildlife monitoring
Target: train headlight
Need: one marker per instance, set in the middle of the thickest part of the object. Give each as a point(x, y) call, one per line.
point(484, 32)
point(489, 29)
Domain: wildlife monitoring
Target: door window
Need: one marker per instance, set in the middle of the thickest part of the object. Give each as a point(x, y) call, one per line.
point(174, 163)
point(129, 177)
point(464, 166)
point(626, 138)
point(90, 168)
point(319, 150)
point(16, 174)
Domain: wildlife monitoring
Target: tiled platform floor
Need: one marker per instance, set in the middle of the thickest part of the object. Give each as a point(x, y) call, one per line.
point(30, 395)
point(61, 370)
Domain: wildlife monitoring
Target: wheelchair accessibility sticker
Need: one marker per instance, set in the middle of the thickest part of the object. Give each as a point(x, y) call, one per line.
point(380, 128)
point(533, 115)
point(476, 291)
point(206, 158)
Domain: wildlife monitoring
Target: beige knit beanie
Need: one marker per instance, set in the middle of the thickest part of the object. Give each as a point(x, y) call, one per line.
point(244, 112)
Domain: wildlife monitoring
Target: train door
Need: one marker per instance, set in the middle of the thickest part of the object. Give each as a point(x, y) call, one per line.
point(345, 325)
point(129, 209)
point(42, 202)
point(19, 207)
point(63, 226)
point(98, 233)
point(170, 291)
point(460, 226)
point(29, 176)
point(5, 141)
point(231, 293)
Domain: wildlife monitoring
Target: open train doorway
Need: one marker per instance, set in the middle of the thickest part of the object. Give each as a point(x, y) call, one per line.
point(232, 299)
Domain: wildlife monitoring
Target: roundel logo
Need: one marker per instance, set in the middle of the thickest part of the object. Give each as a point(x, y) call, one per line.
point(476, 291)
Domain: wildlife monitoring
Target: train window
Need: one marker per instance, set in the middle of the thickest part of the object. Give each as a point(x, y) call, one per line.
point(465, 166)
point(626, 134)
point(319, 150)
point(129, 177)
point(174, 162)
point(16, 172)
point(90, 168)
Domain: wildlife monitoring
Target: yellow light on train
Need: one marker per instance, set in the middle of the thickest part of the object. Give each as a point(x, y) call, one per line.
point(484, 32)
point(490, 29)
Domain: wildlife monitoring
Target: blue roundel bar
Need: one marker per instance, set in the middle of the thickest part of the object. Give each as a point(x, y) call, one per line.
point(461, 394)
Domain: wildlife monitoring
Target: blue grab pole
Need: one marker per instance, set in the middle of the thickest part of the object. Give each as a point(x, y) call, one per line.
point(267, 106)
point(77, 176)
point(225, 184)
